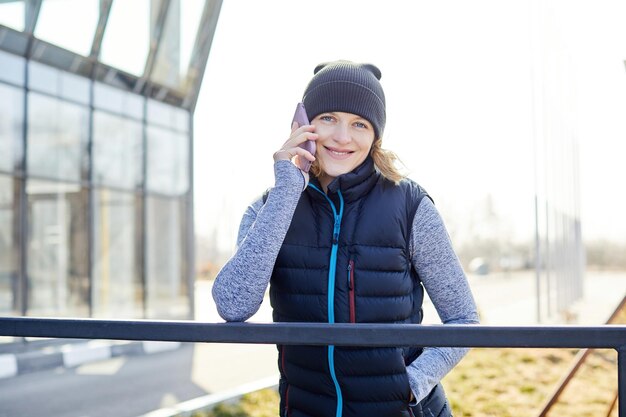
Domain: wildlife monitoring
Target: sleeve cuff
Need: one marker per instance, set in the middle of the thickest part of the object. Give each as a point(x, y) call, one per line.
point(288, 175)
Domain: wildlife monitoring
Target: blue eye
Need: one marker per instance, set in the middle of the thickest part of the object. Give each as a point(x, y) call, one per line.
point(361, 125)
point(326, 117)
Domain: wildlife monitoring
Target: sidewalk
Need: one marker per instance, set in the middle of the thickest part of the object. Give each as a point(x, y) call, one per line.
point(510, 300)
point(24, 357)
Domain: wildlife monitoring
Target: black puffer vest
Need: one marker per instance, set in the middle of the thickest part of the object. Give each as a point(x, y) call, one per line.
point(346, 259)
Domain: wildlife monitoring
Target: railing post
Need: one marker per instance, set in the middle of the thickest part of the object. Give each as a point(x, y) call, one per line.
point(621, 380)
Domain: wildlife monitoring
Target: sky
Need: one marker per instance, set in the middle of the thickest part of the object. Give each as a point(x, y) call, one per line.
point(471, 88)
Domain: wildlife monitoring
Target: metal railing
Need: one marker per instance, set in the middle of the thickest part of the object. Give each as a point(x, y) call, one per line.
point(366, 335)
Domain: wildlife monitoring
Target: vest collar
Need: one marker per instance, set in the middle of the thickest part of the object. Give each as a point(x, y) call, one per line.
point(354, 184)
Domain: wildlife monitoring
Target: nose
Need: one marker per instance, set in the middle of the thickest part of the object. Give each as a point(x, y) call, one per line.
point(341, 133)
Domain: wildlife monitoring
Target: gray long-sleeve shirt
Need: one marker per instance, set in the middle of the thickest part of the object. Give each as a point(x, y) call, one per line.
point(240, 286)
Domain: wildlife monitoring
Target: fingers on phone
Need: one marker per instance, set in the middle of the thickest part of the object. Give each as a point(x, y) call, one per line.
point(290, 153)
point(298, 139)
point(303, 153)
point(306, 136)
point(304, 128)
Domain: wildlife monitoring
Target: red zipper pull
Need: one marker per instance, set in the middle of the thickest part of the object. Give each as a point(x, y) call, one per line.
point(351, 299)
point(350, 266)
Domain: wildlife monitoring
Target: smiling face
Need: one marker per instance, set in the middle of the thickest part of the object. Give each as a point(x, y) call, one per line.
point(344, 142)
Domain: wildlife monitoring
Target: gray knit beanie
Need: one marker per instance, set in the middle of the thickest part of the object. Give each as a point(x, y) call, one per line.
point(349, 87)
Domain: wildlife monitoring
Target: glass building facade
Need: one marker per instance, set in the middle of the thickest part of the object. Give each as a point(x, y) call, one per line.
point(96, 142)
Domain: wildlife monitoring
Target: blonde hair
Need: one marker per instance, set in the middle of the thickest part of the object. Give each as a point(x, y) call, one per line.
point(384, 161)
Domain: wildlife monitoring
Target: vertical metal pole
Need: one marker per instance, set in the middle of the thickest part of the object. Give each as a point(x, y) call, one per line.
point(538, 258)
point(32, 15)
point(144, 208)
point(621, 380)
point(548, 259)
point(533, 85)
point(190, 231)
point(88, 179)
point(22, 203)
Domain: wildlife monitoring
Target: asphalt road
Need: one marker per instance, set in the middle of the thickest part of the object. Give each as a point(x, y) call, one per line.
point(121, 387)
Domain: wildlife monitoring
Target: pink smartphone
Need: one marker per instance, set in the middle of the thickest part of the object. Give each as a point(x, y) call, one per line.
point(302, 119)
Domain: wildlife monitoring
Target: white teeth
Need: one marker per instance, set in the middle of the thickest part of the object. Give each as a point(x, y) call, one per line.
point(338, 153)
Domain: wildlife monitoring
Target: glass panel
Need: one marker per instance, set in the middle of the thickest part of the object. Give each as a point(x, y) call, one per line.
point(117, 151)
point(108, 98)
point(11, 126)
point(58, 83)
point(118, 101)
point(117, 287)
point(8, 249)
point(120, 50)
point(43, 78)
point(181, 120)
point(134, 106)
point(165, 115)
point(166, 282)
point(76, 33)
point(160, 114)
point(12, 14)
point(57, 249)
point(12, 66)
point(57, 134)
point(190, 15)
point(74, 87)
point(168, 161)
point(179, 35)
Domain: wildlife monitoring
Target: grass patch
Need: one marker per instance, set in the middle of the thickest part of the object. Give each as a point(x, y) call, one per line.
point(505, 382)
point(495, 383)
point(263, 403)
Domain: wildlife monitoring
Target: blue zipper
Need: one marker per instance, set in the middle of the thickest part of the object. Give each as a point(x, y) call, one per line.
point(331, 290)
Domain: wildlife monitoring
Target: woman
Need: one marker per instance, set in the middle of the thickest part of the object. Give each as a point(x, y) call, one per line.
point(356, 244)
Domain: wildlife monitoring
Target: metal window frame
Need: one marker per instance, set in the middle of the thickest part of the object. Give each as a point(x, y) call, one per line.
point(201, 50)
point(25, 44)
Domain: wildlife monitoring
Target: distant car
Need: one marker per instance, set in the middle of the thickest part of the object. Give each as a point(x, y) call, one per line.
point(479, 266)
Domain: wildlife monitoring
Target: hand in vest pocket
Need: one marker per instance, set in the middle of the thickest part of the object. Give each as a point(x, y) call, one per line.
point(435, 404)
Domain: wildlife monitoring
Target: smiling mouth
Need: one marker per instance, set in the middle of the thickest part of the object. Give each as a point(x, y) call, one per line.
point(338, 153)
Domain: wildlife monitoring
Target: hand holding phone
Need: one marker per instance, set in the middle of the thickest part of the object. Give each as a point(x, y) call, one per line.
point(301, 118)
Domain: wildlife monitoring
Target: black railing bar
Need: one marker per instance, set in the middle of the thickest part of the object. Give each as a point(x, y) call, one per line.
point(371, 335)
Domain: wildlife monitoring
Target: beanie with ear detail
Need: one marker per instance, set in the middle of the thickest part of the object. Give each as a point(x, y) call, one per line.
point(345, 86)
